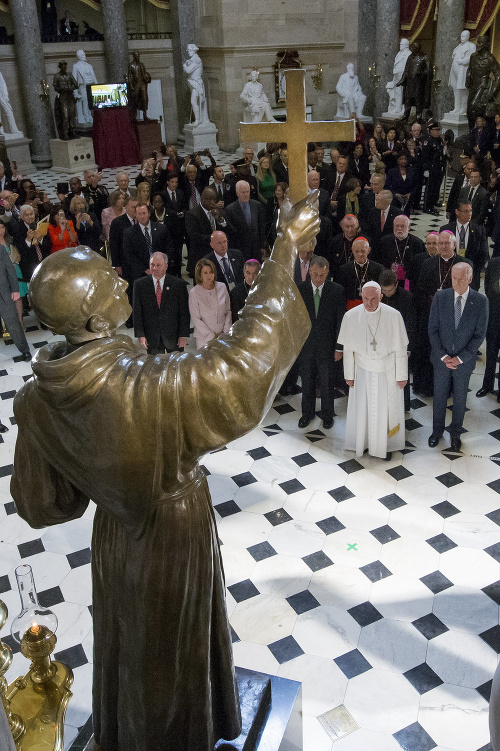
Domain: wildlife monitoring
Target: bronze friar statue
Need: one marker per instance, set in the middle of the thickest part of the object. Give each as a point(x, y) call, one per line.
point(65, 102)
point(102, 420)
point(483, 82)
point(415, 80)
point(138, 79)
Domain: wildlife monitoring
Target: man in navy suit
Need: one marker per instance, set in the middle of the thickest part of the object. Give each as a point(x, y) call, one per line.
point(246, 224)
point(141, 241)
point(457, 327)
point(471, 240)
point(161, 309)
point(325, 303)
point(379, 221)
point(228, 262)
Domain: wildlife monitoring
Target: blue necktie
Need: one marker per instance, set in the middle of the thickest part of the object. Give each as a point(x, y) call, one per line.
point(227, 270)
point(245, 207)
point(458, 310)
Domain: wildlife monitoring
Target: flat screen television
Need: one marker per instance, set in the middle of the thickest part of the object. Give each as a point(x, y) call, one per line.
point(107, 95)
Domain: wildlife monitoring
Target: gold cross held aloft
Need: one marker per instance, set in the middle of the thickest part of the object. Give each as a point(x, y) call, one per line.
point(297, 131)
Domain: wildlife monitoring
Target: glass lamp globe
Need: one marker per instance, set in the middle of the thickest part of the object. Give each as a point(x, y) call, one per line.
point(32, 614)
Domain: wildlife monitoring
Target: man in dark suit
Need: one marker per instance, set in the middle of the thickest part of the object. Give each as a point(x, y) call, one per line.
point(246, 224)
point(228, 262)
point(357, 271)
point(5, 182)
point(492, 291)
point(31, 247)
point(161, 309)
point(479, 138)
point(359, 166)
point(471, 240)
point(341, 245)
point(247, 160)
point(336, 181)
point(461, 181)
point(379, 221)
point(193, 181)
point(200, 223)
point(325, 303)
point(281, 168)
point(403, 253)
point(242, 172)
point(9, 293)
point(476, 195)
point(221, 187)
point(175, 208)
point(239, 294)
point(457, 327)
point(367, 199)
point(116, 230)
point(141, 241)
point(400, 299)
point(324, 205)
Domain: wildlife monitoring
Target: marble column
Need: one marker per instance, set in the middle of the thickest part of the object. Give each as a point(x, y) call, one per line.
point(366, 51)
point(183, 14)
point(387, 47)
point(449, 27)
point(31, 66)
point(115, 40)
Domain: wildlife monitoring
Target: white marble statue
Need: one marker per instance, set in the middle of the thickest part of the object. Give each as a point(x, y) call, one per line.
point(351, 99)
point(257, 107)
point(193, 67)
point(459, 64)
point(8, 127)
point(84, 74)
point(396, 108)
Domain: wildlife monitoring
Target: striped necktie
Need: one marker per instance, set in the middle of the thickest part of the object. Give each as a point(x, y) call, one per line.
point(148, 240)
point(458, 310)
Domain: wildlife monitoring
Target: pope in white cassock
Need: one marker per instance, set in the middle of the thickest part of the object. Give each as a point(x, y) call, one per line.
point(375, 343)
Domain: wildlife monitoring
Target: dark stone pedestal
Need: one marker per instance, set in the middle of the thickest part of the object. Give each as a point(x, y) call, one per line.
point(149, 134)
point(271, 712)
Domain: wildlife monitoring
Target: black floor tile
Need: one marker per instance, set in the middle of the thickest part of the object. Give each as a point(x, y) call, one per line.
point(258, 453)
point(10, 508)
point(79, 558)
point(430, 626)
point(365, 614)
point(243, 590)
point(449, 480)
point(445, 509)
point(375, 571)
point(234, 636)
point(261, 551)
point(30, 548)
point(392, 501)
point(492, 638)
point(341, 493)
point(494, 551)
point(353, 663)
point(75, 657)
point(399, 473)
point(7, 395)
point(5, 585)
point(493, 591)
point(7, 470)
point(330, 525)
point(303, 460)
point(278, 516)
point(494, 516)
point(302, 602)
point(283, 409)
point(485, 690)
point(49, 597)
point(292, 486)
point(350, 466)
point(441, 543)
point(495, 485)
point(245, 478)
point(317, 561)
point(412, 424)
point(228, 508)
point(423, 678)
point(414, 738)
point(285, 649)
point(384, 534)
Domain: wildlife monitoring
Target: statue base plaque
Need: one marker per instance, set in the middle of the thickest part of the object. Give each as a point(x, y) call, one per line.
point(72, 157)
point(199, 137)
point(457, 123)
point(18, 150)
point(361, 118)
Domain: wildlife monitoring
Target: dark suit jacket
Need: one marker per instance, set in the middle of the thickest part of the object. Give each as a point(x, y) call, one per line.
point(174, 222)
point(322, 338)
point(480, 203)
point(331, 179)
point(231, 180)
point(116, 230)
point(337, 254)
point(29, 258)
point(371, 225)
point(413, 258)
point(199, 231)
point(325, 207)
point(465, 340)
point(451, 203)
point(429, 281)
point(477, 248)
point(249, 240)
point(402, 300)
point(397, 184)
point(238, 296)
point(360, 170)
point(170, 321)
point(236, 261)
point(201, 181)
point(492, 289)
point(481, 139)
point(281, 172)
point(135, 250)
point(87, 235)
point(348, 279)
point(223, 192)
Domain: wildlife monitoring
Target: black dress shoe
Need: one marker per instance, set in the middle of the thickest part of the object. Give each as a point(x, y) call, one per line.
point(456, 443)
point(26, 357)
point(482, 392)
point(328, 423)
point(304, 421)
point(3, 428)
point(388, 456)
point(433, 440)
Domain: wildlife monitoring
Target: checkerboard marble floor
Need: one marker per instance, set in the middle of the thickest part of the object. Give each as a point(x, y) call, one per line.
point(376, 584)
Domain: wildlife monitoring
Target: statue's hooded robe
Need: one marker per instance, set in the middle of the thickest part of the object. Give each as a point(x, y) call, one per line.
point(125, 429)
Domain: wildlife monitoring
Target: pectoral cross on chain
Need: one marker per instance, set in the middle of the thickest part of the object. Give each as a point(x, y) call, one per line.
point(297, 131)
point(374, 344)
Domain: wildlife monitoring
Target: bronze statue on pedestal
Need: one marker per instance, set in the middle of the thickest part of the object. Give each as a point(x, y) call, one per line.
point(65, 103)
point(138, 79)
point(415, 80)
point(102, 420)
point(483, 82)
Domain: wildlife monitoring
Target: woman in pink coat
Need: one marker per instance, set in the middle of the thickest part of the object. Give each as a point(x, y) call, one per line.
point(208, 304)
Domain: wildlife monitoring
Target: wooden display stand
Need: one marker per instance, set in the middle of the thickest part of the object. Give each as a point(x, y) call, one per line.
point(149, 134)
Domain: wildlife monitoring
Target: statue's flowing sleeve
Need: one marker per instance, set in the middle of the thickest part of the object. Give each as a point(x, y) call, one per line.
point(227, 387)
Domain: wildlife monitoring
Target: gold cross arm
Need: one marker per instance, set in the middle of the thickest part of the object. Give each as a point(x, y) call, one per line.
point(296, 132)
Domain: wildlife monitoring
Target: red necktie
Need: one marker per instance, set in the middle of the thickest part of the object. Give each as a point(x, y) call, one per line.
point(158, 292)
point(303, 270)
point(382, 220)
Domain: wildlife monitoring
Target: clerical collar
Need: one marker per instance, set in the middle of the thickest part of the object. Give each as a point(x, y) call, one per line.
point(361, 265)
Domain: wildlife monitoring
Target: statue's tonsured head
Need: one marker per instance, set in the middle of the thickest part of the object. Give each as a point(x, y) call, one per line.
point(75, 292)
